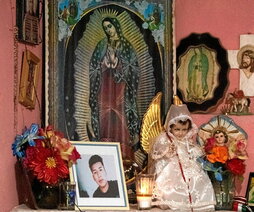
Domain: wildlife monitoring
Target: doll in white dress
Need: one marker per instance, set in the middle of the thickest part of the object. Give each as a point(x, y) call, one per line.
point(180, 182)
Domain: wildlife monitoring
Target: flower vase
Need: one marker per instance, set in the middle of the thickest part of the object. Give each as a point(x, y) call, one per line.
point(46, 195)
point(224, 191)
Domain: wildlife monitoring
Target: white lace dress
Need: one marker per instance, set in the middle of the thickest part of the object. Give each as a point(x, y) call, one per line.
point(181, 184)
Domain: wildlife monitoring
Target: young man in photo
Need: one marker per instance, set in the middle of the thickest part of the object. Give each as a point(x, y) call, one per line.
point(105, 188)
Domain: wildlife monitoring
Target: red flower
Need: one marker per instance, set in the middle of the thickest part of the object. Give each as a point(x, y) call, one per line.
point(46, 164)
point(236, 166)
point(74, 156)
point(210, 142)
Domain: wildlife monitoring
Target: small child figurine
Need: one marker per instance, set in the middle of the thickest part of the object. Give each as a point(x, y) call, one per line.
point(218, 151)
point(180, 184)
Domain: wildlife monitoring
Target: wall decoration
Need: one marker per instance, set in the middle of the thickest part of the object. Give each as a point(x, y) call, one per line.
point(29, 79)
point(27, 21)
point(243, 60)
point(202, 72)
point(119, 48)
point(236, 103)
point(100, 164)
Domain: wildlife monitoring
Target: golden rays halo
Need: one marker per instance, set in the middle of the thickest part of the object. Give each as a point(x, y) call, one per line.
point(224, 124)
point(84, 51)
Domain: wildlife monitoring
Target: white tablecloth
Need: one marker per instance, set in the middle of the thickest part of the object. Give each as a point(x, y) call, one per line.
point(133, 208)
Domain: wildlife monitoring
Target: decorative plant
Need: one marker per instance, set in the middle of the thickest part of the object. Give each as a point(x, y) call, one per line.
point(46, 153)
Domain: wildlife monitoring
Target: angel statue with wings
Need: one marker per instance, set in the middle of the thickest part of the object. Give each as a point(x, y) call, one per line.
point(180, 182)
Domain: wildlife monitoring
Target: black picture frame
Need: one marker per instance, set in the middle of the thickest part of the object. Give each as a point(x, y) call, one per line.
point(210, 47)
point(250, 191)
point(28, 21)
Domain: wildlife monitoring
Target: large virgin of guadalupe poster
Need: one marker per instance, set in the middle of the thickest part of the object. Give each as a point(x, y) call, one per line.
point(106, 64)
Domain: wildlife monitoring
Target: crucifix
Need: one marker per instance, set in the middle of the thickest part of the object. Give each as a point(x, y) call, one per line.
point(243, 59)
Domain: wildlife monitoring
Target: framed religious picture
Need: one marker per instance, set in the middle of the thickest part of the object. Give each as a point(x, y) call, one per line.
point(105, 62)
point(202, 72)
point(99, 177)
point(29, 79)
point(250, 190)
point(245, 60)
point(28, 21)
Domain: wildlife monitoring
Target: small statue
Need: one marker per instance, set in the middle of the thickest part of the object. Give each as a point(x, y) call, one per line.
point(218, 151)
point(237, 103)
point(180, 182)
point(222, 134)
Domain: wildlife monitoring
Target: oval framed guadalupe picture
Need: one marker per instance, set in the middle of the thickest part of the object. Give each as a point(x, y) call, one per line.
point(202, 72)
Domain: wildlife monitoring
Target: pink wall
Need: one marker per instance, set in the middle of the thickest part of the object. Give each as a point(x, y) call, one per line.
point(226, 20)
point(8, 194)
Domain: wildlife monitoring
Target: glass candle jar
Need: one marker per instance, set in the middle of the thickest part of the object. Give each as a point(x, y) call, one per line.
point(144, 190)
point(67, 195)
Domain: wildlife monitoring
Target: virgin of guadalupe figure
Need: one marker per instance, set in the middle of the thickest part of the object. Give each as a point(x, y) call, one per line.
point(197, 76)
point(114, 81)
point(114, 76)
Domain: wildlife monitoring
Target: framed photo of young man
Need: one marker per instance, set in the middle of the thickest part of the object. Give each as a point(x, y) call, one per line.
point(99, 176)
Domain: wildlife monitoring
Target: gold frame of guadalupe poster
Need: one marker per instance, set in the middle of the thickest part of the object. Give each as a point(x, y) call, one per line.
point(76, 46)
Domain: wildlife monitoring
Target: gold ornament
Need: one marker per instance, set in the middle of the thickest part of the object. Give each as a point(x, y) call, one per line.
point(177, 100)
point(151, 124)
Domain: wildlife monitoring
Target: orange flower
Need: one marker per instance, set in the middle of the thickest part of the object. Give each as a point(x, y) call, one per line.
point(47, 132)
point(218, 154)
point(65, 148)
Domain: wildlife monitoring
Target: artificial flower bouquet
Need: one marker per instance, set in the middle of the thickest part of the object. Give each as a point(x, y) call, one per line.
point(45, 153)
point(231, 160)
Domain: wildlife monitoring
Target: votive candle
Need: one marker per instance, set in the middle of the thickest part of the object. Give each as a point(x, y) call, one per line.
point(144, 190)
